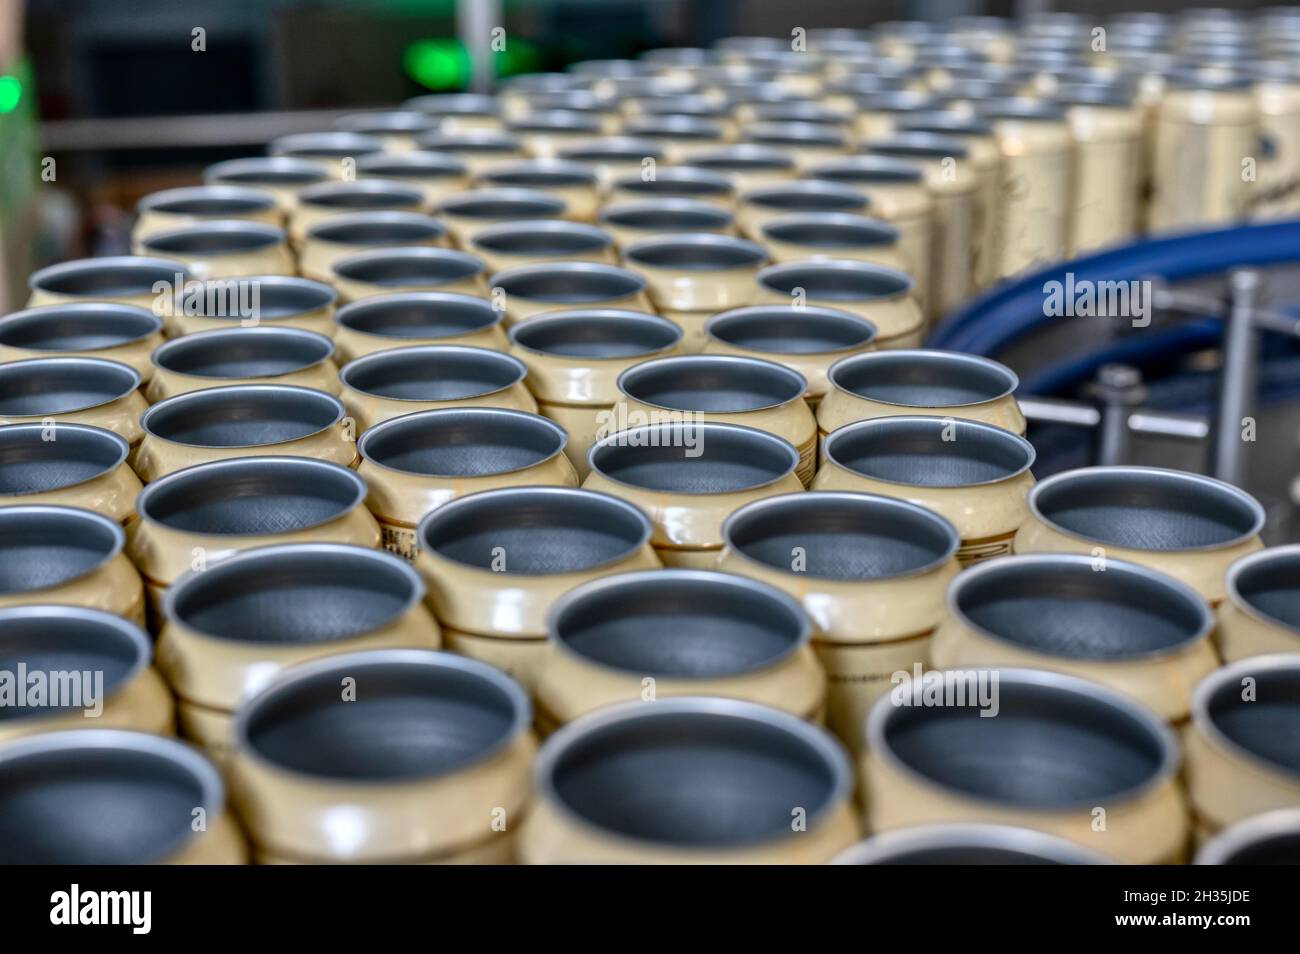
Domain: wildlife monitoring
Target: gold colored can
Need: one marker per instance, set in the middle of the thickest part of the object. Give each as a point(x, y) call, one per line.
point(196, 517)
point(266, 355)
point(94, 667)
point(806, 143)
point(280, 300)
point(621, 786)
point(1277, 97)
point(73, 465)
point(956, 843)
point(631, 222)
point(534, 242)
point(397, 129)
point(747, 165)
point(1261, 613)
point(805, 197)
point(884, 296)
point(282, 176)
point(337, 150)
point(417, 462)
point(342, 236)
point(386, 384)
point(674, 182)
point(870, 572)
point(415, 269)
point(231, 628)
point(1105, 767)
point(545, 132)
point(478, 149)
point(819, 235)
point(467, 212)
point(148, 283)
point(1267, 839)
point(382, 322)
point(923, 381)
point(321, 203)
point(614, 157)
point(574, 359)
point(877, 113)
point(122, 333)
point(154, 789)
point(1186, 525)
point(460, 112)
point(1138, 631)
point(67, 555)
point(676, 135)
point(657, 634)
point(573, 183)
point(1240, 744)
point(689, 477)
point(74, 391)
point(1107, 128)
point(532, 290)
point(311, 785)
point(496, 561)
point(224, 248)
point(194, 205)
point(976, 475)
point(246, 420)
point(808, 340)
point(436, 175)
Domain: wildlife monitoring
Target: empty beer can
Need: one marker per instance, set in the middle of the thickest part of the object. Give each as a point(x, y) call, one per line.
point(281, 176)
point(74, 465)
point(573, 183)
point(467, 212)
point(478, 149)
point(74, 391)
point(884, 296)
point(247, 302)
point(676, 135)
point(414, 269)
point(955, 843)
point(397, 129)
point(623, 785)
point(1272, 838)
point(613, 157)
point(531, 290)
point(321, 203)
point(1107, 128)
point(123, 333)
point(382, 322)
point(1261, 613)
point(338, 150)
point(230, 628)
point(631, 222)
point(224, 248)
point(434, 174)
point(264, 355)
point(806, 143)
point(536, 242)
point(804, 197)
point(147, 283)
point(460, 112)
point(674, 182)
point(747, 165)
point(192, 205)
point(341, 236)
point(545, 132)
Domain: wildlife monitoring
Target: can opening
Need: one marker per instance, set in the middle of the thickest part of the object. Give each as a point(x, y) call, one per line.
point(32, 464)
point(929, 451)
point(387, 121)
point(89, 327)
point(393, 228)
point(965, 844)
point(542, 175)
point(271, 170)
point(43, 547)
point(784, 329)
point(681, 181)
point(413, 266)
point(221, 237)
point(836, 280)
point(555, 238)
point(1268, 725)
point(1280, 848)
point(868, 169)
point(569, 282)
point(668, 215)
point(830, 231)
point(613, 149)
point(326, 145)
point(717, 384)
point(924, 378)
point(743, 158)
point(242, 416)
point(1270, 584)
point(208, 202)
point(482, 142)
point(596, 333)
point(795, 134)
point(113, 277)
point(811, 196)
point(243, 352)
point(694, 458)
point(703, 253)
point(278, 296)
point(504, 204)
point(361, 195)
point(46, 386)
point(433, 373)
point(462, 442)
point(419, 315)
point(410, 165)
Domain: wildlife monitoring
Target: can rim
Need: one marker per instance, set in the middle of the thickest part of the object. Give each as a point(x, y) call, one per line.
point(905, 283)
point(264, 235)
point(319, 231)
point(216, 173)
point(413, 164)
point(85, 430)
point(39, 279)
point(426, 350)
point(601, 238)
point(129, 385)
point(473, 266)
point(574, 315)
point(762, 196)
point(546, 205)
point(611, 148)
point(34, 316)
point(840, 316)
point(1234, 672)
point(637, 284)
point(634, 252)
point(329, 145)
point(1289, 552)
point(932, 355)
point(883, 847)
point(281, 390)
point(320, 194)
point(707, 214)
point(248, 195)
point(1248, 833)
point(685, 362)
point(348, 312)
point(500, 175)
point(70, 512)
point(882, 233)
point(326, 293)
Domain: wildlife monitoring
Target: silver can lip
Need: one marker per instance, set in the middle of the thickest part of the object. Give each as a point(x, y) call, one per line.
point(78, 326)
point(966, 844)
point(569, 283)
point(801, 112)
point(787, 330)
point(1264, 733)
point(834, 279)
point(85, 541)
point(683, 181)
point(325, 145)
point(295, 594)
point(433, 373)
point(712, 383)
point(531, 523)
point(484, 709)
point(1024, 110)
point(732, 458)
point(504, 203)
point(278, 296)
point(216, 201)
point(680, 103)
point(910, 451)
point(113, 757)
point(540, 174)
point(830, 230)
point(794, 134)
point(924, 378)
point(251, 496)
point(113, 276)
point(945, 123)
point(415, 164)
point(1211, 78)
point(360, 195)
point(53, 638)
point(1058, 604)
point(678, 624)
point(267, 170)
point(80, 454)
point(50, 386)
point(870, 537)
point(596, 334)
point(916, 145)
point(214, 237)
point(406, 315)
point(808, 196)
point(242, 415)
point(565, 121)
point(661, 745)
point(741, 157)
point(455, 104)
point(471, 141)
point(559, 237)
point(386, 122)
point(695, 252)
point(410, 265)
point(461, 442)
point(613, 148)
point(1271, 838)
point(667, 215)
point(1046, 715)
point(1146, 508)
point(380, 229)
point(867, 169)
point(1266, 585)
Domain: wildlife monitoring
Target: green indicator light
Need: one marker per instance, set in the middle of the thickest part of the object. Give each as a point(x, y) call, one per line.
point(11, 93)
point(438, 64)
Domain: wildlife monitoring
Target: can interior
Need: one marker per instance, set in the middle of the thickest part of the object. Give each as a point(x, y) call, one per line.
point(378, 231)
point(866, 169)
point(242, 353)
point(708, 384)
point(808, 197)
point(394, 270)
point(679, 627)
point(61, 385)
point(411, 166)
point(643, 778)
point(559, 239)
point(1084, 749)
point(785, 330)
point(29, 464)
point(432, 374)
point(827, 232)
point(840, 538)
point(273, 171)
point(541, 177)
point(1066, 608)
point(616, 151)
point(211, 206)
point(208, 240)
point(42, 548)
point(1272, 587)
point(91, 278)
point(677, 182)
point(456, 442)
point(693, 459)
point(538, 532)
point(795, 134)
point(742, 160)
point(77, 328)
point(503, 207)
point(342, 145)
point(923, 379)
point(972, 854)
point(407, 722)
point(275, 298)
point(241, 417)
point(1269, 725)
point(835, 282)
point(418, 316)
point(570, 285)
point(699, 216)
point(362, 196)
point(262, 496)
point(697, 254)
point(95, 805)
point(615, 335)
point(1146, 510)
point(914, 451)
point(1278, 849)
point(487, 143)
point(295, 596)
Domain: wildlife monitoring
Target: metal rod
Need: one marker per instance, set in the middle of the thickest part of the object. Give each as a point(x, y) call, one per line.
point(475, 21)
point(1119, 389)
point(171, 132)
point(1190, 427)
point(1237, 383)
point(1042, 410)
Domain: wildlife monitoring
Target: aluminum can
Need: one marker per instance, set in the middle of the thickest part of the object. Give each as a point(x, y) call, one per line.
point(884, 296)
point(382, 322)
point(631, 222)
point(531, 290)
point(72, 465)
point(1261, 613)
point(341, 236)
point(1277, 98)
point(338, 150)
point(801, 197)
point(224, 248)
point(281, 176)
point(820, 235)
point(747, 165)
point(435, 174)
point(264, 355)
point(395, 128)
point(123, 333)
point(467, 212)
point(415, 269)
point(193, 205)
point(73, 390)
point(1106, 125)
point(541, 241)
point(674, 182)
point(955, 843)
point(574, 183)
point(478, 149)
point(1268, 839)
point(613, 157)
point(321, 203)
point(248, 302)
point(124, 279)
